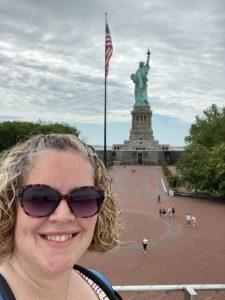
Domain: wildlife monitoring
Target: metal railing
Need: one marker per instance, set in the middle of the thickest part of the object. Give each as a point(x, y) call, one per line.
point(189, 290)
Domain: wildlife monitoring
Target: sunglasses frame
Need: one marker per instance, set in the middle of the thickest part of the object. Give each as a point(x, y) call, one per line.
point(66, 197)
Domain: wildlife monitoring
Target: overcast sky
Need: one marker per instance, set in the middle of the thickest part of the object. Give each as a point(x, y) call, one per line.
point(52, 62)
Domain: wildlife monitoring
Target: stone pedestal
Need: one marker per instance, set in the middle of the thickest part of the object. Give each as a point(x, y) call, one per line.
point(141, 124)
point(141, 134)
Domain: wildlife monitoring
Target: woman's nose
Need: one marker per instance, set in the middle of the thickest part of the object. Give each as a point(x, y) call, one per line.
point(62, 213)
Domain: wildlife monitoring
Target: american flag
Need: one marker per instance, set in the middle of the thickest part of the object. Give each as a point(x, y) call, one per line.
point(108, 48)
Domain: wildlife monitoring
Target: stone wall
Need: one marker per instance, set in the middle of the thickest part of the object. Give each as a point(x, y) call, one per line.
point(141, 157)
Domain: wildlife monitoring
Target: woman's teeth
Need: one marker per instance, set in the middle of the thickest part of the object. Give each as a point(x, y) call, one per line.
point(59, 238)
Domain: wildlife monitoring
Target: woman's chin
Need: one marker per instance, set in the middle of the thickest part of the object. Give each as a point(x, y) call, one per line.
point(59, 265)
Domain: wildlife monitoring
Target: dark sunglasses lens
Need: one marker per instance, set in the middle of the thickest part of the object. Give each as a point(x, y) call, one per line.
point(39, 201)
point(86, 202)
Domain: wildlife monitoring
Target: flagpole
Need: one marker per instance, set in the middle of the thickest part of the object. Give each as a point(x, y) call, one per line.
point(105, 156)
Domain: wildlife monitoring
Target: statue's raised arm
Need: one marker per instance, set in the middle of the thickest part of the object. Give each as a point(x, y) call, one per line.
point(140, 80)
point(148, 57)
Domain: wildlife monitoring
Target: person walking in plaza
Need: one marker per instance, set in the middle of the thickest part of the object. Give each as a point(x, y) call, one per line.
point(159, 199)
point(145, 244)
point(193, 220)
point(160, 212)
point(169, 210)
point(188, 219)
point(164, 212)
point(173, 211)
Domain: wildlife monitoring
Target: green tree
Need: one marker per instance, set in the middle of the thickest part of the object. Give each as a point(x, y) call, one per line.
point(192, 167)
point(216, 170)
point(202, 164)
point(208, 130)
point(13, 132)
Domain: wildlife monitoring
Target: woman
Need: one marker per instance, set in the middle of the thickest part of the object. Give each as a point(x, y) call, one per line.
point(55, 204)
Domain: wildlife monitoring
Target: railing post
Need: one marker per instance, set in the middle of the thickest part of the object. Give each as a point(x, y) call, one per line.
point(189, 293)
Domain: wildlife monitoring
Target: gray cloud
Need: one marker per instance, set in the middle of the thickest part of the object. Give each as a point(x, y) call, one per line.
point(52, 58)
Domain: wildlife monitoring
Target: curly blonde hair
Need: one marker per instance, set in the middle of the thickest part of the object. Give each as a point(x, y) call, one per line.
point(14, 166)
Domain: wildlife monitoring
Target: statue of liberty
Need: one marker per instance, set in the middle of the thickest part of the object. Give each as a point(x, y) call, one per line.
point(140, 80)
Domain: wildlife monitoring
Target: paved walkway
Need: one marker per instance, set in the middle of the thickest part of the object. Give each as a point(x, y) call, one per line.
point(177, 254)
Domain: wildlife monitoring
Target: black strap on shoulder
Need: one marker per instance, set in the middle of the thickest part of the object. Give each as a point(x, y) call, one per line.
point(112, 295)
point(5, 290)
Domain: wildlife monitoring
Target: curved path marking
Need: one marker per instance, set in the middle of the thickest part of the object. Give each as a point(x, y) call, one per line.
point(173, 232)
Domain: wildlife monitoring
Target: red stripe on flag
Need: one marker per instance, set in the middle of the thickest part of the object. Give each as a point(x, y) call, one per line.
point(108, 48)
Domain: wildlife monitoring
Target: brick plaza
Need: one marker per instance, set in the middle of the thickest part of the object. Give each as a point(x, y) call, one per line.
point(176, 254)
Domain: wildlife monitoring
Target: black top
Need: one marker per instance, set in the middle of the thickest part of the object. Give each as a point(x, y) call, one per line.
point(5, 290)
point(100, 280)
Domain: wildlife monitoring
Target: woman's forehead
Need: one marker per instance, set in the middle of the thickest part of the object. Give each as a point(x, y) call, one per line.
point(51, 165)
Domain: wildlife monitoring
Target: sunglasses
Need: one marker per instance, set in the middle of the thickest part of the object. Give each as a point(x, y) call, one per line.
point(40, 200)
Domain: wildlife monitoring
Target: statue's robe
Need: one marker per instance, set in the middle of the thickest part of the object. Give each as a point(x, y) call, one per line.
point(140, 79)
